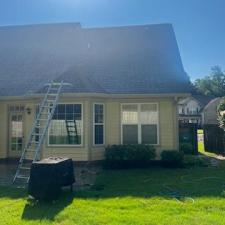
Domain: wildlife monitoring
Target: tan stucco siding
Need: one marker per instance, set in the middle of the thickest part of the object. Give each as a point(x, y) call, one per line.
point(113, 134)
point(87, 151)
point(166, 125)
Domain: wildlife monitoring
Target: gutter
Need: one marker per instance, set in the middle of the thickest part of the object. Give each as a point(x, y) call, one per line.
point(96, 95)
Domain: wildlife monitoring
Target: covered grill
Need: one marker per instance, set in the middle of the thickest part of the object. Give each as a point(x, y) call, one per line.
point(48, 176)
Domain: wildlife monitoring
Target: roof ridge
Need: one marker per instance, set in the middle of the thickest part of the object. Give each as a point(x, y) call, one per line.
point(129, 26)
point(87, 27)
point(42, 25)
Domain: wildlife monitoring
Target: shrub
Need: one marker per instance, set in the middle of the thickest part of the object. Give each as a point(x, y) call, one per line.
point(187, 148)
point(172, 158)
point(193, 161)
point(128, 156)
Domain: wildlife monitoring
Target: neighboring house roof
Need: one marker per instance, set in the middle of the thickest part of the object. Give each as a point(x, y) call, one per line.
point(133, 59)
point(210, 111)
point(201, 100)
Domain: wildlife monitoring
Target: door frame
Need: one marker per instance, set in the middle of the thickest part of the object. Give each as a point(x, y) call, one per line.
point(15, 153)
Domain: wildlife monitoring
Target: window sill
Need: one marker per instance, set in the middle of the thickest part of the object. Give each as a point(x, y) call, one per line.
point(97, 146)
point(65, 146)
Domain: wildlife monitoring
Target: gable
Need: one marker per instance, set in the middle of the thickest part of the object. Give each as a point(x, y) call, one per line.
point(120, 60)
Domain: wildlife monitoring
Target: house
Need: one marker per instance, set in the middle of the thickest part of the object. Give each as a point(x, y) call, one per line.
point(125, 86)
point(190, 108)
point(213, 134)
point(209, 113)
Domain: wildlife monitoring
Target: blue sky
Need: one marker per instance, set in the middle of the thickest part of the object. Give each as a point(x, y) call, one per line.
point(199, 24)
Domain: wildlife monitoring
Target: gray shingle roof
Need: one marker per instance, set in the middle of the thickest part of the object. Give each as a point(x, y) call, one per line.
point(132, 59)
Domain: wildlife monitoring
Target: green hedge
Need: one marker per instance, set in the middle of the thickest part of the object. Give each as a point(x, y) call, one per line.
point(128, 156)
point(187, 148)
point(172, 158)
point(195, 161)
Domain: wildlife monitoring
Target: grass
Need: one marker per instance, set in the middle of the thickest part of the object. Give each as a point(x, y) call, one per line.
point(201, 147)
point(128, 197)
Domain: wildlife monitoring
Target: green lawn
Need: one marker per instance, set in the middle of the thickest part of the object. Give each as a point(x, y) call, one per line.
point(151, 196)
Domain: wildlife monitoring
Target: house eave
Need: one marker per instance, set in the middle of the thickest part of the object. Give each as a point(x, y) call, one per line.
point(97, 95)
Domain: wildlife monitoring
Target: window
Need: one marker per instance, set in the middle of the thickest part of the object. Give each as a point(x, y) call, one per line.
point(66, 127)
point(140, 123)
point(98, 124)
point(183, 110)
point(16, 108)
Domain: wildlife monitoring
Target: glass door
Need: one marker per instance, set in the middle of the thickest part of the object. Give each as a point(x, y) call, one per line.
point(16, 134)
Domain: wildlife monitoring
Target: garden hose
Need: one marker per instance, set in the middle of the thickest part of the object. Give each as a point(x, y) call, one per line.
point(181, 197)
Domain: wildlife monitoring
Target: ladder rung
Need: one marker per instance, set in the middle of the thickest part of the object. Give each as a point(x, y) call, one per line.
point(25, 168)
point(36, 142)
point(51, 94)
point(39, 126)
point(47, 106)
point(56, 84)
point(44, 113)
point(22, 177)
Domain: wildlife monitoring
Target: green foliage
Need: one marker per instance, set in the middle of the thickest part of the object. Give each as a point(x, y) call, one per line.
point(186, 148)
point(172, 158)
point(212, 85)
point(128, 156)
point(221, 114)
point(193, 161)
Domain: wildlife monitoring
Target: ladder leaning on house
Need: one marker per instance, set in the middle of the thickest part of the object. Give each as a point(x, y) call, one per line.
point(32, 149)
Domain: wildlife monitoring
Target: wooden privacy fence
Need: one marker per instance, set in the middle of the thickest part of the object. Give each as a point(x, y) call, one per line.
point(188, 134)
point(214, 138)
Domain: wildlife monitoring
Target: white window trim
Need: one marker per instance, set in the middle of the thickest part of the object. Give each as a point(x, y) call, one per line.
point(93, 122)
point(82, 127)
point(139, 123)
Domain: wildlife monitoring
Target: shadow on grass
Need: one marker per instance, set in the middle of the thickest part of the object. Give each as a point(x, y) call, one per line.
point(158, 182)
point(35, 210)
point(45, 210)
point(199, 182)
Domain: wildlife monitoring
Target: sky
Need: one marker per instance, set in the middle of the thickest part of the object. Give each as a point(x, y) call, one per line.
point(199, 24)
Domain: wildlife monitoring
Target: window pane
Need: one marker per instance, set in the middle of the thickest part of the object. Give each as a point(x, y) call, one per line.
point(98, 134)
point(130, 134)
point(77, 108)
point(61, 109)
point(149, 134)
point(69, 108)
point(98, 113)
point(98, 108)
point(16, 132)
point(129, 114)
point(66, 126)
point(149, 114)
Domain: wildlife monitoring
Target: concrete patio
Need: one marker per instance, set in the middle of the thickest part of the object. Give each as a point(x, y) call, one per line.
point(85, 173)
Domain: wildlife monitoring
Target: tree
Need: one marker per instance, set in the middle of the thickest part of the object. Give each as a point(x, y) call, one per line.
point(221, 114)
point(212, 85)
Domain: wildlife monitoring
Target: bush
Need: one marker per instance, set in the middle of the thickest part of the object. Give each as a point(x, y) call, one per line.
point(193, 161)
point(172, 158)
point(187, 148)
point(128, 156)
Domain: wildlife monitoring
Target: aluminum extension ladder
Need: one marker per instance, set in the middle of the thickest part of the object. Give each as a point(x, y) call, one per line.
point(32, 149)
